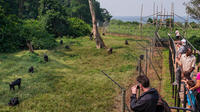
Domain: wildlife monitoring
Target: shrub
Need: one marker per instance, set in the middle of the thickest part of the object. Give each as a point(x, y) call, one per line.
point(10, 39)
point(195, 41)
point(78, 27)
point(35, 32)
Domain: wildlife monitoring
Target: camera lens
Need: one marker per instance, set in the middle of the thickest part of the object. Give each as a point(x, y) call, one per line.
point(138, 87)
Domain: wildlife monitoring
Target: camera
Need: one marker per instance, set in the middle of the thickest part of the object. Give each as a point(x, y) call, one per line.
point(138, 87)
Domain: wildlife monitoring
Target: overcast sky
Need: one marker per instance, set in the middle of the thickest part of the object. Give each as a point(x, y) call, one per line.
point(133, 7)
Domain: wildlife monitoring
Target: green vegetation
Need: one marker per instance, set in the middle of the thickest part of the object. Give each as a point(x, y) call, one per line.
point(41, 21)
point(166, 84)
point(132, 28)
point(71, 81)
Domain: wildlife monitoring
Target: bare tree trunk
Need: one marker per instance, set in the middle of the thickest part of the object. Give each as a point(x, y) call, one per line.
point(30, 47)
point(21, 7)
point(97, 36)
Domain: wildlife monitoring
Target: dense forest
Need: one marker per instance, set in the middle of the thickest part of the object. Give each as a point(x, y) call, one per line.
point(39, 22)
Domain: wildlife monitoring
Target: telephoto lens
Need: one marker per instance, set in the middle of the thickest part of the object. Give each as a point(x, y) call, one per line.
point(138, 87)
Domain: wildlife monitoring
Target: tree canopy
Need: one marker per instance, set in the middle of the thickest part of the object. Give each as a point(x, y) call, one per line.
point(193, 9)
point(39, 21)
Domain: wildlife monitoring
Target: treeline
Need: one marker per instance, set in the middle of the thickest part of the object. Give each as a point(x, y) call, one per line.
point(39, 22)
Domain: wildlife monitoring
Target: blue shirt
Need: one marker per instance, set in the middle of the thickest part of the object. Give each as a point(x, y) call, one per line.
point(192, 98)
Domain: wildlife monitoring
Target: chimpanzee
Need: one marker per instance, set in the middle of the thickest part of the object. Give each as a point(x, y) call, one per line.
point(16, 82)
point(61, 42)
point(126, 42)
point(141, 57)
point(110, 50)
point(46, 58)
point(91, 36)
point(67, 47)
point(13, 101)
point(31, 69)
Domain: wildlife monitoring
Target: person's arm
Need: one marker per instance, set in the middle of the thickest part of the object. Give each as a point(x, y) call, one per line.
point(137, 105)
point(193, 65)
point(196, 86)
point(191, 69)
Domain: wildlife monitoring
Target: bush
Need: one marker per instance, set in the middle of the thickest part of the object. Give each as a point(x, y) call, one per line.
point(10, 39)
point(194, 40)
point(78, 27)
point(35, 32)
point(55, 23)
point(194, 25)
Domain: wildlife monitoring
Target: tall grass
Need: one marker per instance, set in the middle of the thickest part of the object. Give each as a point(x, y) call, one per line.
point(71, 81)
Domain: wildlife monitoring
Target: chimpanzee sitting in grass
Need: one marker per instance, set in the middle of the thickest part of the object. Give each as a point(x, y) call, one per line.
point(46, 58)
point(14, 83)
point(67, 47)
point(61, 42)
point(13, 101)
point(31, 69)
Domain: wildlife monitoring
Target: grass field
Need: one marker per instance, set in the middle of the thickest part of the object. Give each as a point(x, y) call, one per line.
point(148, 30)
point(71, 81)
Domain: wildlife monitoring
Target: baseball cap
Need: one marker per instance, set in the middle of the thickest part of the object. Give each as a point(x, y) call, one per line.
point(183, 41)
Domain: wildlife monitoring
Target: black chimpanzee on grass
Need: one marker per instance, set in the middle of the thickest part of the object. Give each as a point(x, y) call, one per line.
point(46, 58)
point(13, 101)
point(110, 50)
point(67, 47)
point(61, 42)
point(31, 69)
point(126, 42)
point(14, 83)
point(91, 36)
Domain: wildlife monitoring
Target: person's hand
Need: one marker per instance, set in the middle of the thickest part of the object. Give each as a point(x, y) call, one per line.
point(191, 89)
point(134, 89)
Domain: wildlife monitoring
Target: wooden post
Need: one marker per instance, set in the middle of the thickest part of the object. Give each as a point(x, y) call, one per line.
point(153, 45)
point(141, 22)
point(157, 17)
point(150, 51)
point(123, 100)
point(172, 16)
point(161, 17)
point(139, 67)
point(154, 13)
point(146, 61)
point(141, 17)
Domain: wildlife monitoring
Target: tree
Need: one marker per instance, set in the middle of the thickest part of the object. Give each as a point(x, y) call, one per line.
point(106, 15)
point(193, 9)
point(31, 9)
point(150, 20)
point(53, 15)
point(97, 37)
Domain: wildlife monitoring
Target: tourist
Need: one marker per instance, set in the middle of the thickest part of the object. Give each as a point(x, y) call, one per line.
point(177, 34)
point(147, 102)
point(190, 84)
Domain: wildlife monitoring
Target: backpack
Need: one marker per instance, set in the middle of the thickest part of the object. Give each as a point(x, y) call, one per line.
point(162, 106)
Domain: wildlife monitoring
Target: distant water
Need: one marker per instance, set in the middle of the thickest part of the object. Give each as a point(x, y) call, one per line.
point(137, 18)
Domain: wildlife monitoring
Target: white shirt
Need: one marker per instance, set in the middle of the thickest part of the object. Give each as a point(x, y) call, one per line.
point(187, 62)
point(177, 33)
